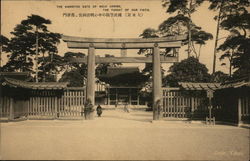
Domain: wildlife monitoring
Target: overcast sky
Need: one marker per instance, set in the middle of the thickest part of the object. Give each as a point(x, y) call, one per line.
point(13, 12)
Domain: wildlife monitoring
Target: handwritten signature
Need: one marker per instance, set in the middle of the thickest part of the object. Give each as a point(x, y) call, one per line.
point(232, 153)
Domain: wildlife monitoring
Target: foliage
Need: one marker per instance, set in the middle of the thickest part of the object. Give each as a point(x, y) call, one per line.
point(74, 78)
point(188, 70)
point(75, 72)
point(181, 6)
point(176, 25)
point(182, 23)
point(103, 67)
point(179, 25)
point(4, 43)
point(235, 18)
point(51, 65)
point(67, 59)
point(219, 77)
point(236, 50)
point(23, 43)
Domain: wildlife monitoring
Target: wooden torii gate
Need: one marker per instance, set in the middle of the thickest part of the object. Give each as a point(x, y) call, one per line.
point(127, 43)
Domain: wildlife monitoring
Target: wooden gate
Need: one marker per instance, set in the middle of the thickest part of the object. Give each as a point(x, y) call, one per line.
point(176, 104)
point(47, 104)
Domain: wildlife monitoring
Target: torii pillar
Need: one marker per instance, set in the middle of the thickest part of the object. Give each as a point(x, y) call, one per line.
point(157, 84)
point(90, 93)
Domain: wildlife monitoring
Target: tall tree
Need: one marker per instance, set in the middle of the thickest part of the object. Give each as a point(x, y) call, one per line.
point(47, 39)
point(229, 11)
point(216, 5)
point(4, 47)
point(31, 37)
point(229, 50)
point(185, 8)
point(235, 18)
point(179, 25)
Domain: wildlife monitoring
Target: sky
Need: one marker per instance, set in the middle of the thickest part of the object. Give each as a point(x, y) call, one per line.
point(149, 14)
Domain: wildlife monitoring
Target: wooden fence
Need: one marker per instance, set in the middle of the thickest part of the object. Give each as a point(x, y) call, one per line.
point(44, 105)
point(48, 105)
point(176, 104)
point(244, 105)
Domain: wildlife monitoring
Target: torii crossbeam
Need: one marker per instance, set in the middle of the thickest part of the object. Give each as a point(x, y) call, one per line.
point(127, 43)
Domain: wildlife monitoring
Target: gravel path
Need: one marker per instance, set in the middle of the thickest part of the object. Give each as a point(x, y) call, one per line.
point(119, 135)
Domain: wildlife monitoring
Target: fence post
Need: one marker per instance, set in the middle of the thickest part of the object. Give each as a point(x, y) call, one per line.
point(239, 111)
point(11, 116)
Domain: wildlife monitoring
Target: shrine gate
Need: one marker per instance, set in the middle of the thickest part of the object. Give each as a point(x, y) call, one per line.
point(173, 42)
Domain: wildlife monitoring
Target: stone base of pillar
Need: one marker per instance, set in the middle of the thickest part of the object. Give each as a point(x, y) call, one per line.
point(89, 116)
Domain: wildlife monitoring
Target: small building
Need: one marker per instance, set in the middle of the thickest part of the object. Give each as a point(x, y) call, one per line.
point(232, 102)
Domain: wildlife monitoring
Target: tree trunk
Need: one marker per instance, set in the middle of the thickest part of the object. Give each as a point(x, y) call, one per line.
point(216, 37)
point(230, 69)
point(189, 30)
point(43, 69)
point(189, 39)
point(199, 52)
point(1, 48)
point(36, 58)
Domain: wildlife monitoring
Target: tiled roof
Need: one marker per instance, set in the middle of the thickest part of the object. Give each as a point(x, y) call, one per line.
point(213, 86)
point(33, 85)
point(25, 76)
point(236, 84)
point(199, 86)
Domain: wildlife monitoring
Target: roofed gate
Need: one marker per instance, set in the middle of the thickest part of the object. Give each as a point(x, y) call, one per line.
point(173, 42)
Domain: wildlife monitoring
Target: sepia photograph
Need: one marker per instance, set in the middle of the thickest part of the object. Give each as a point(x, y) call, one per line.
point(125, 80)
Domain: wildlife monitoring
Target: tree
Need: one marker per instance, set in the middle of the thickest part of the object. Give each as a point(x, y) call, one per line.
point(232, 14)
point(67, 59)
point(188, 70)
point(229, 50)
point(51, 66)
point(235, 18)
point(103, 67)
point(75, 73)
point(4, 47)
point(241, 61)
point(74, 77)
point(200, 37)
point(220, 77)
point(184, 10)
point(31, 37)
point(178, 25)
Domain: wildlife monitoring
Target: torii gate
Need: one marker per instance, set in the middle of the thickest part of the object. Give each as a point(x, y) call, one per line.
point(127, 43)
